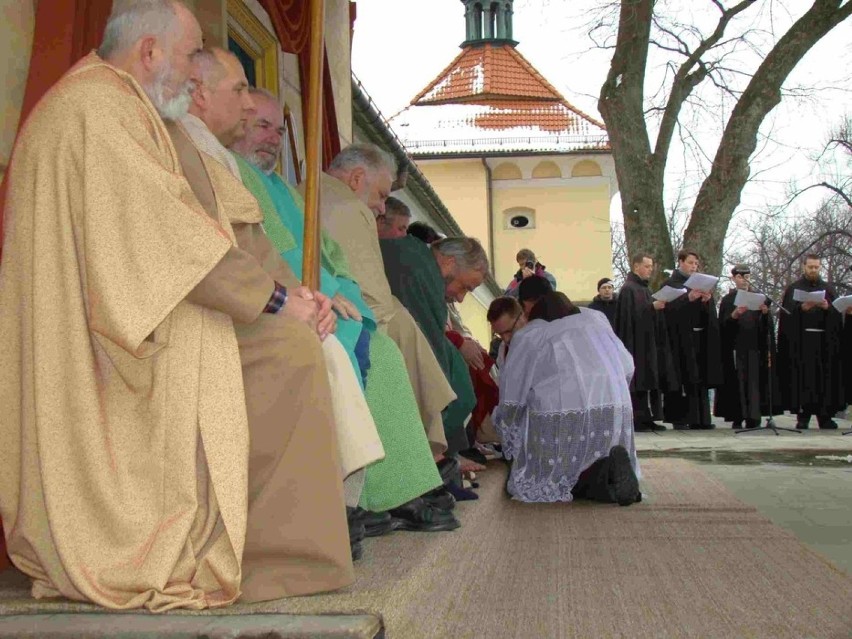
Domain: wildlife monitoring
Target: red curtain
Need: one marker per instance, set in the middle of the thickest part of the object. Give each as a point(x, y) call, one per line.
point(291, 20)
point(64, 32)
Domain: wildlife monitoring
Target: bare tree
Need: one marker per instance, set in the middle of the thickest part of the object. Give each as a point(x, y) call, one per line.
point(698, 57)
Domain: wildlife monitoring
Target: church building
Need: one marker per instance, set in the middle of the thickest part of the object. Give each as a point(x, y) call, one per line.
point(515, 162)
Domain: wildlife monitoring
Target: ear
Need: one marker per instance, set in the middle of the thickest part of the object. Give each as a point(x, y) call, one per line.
point(148, 53)
point(357, 178)
point(198, 92)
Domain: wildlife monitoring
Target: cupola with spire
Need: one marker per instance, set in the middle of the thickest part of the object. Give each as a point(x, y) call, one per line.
point(488, 21)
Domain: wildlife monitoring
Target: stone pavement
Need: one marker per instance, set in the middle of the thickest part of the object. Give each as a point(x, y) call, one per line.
point(802, 482)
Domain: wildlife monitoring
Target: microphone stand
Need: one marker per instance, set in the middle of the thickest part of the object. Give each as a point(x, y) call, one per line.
point(770, 420)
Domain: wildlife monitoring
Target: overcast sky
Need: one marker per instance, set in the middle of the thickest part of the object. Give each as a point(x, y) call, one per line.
point(401, 45)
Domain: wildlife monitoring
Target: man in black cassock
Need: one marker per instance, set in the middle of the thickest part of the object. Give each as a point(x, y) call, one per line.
point(638, 321)
point(809, 351)
point(748, 340)
point(693, 331)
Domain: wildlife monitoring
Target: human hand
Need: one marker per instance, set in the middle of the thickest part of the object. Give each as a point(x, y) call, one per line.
point(345, 308)
point(472, 354)
point(849, 311)
point(824, 305)
point(706, 296)
point(806, 306)
point(326, 319)
point(659, 305)
point(301, 305)
point(694, 295)
point(739, 311)
point(527, 272)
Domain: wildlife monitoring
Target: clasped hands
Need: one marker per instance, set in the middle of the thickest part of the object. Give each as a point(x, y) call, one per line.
point(313, 308)
point(704, 296)
point(806, 306)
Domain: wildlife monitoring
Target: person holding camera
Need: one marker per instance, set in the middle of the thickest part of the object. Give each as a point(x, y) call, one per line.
point(528, 266)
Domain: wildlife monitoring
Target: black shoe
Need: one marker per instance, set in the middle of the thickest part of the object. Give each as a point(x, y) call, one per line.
point(642, 428)
point(623, 485)
point(356, 526)
point(474, 455)
point(681, 426)
point(802, 425)
point(656, 427)
point(737, 425)
point(450, 471)
point(702, 426)
point(357, 550)
point(440, 498)
point(829, 425)
point(419, 516)
point(752, 423)
point(375, 524)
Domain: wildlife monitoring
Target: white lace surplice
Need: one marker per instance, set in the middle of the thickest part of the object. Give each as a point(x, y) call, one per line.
point(564, 402)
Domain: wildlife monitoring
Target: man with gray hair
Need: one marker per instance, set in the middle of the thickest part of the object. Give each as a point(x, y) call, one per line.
point(424, 278)
point(394, 223)
point(128, 480)
point(353, 194)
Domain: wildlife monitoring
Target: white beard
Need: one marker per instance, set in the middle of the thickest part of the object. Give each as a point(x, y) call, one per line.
point(175, 107)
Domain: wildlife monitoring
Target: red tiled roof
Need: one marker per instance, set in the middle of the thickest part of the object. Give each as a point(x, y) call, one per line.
point(491, 97)
point(490, 74)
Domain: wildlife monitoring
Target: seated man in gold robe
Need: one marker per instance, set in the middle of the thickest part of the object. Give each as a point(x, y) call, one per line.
point(135, 471)
point(221, 102)
point(353, 193)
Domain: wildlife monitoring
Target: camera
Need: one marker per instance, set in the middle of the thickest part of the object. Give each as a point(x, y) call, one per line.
point(530, 265)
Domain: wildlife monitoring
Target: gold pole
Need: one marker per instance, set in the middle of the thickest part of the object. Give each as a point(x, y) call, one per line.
point(313, 148)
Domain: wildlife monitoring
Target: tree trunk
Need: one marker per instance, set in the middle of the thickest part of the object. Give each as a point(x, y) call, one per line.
point(639, 173)
point(720, 193)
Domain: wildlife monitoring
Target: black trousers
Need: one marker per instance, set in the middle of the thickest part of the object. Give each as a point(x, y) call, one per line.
point(646, 406)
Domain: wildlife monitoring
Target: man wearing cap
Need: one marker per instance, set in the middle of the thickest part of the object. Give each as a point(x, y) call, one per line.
point(606, 299)
point(748, 341)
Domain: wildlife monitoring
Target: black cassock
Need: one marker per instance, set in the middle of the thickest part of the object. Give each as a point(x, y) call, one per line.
point(747, 343)
point(847, 356)
point(809, 355)
point(642, 330)
point(693, 331)
point(607, 307)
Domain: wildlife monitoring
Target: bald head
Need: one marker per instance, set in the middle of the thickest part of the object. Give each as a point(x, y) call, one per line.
point(154, 41)
point(265, 131)
point(221, 96)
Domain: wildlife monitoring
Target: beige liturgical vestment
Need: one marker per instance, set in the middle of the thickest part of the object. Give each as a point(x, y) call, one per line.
point(128, 477)
point(353, 226)
point(357, 438)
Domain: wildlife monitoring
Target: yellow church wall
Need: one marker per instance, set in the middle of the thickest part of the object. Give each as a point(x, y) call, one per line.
point(571, 235)
point(473, 312)
point(462, 187)
point(17, 23)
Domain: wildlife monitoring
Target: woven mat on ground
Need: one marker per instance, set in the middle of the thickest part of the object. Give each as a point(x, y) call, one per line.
point(689, 561)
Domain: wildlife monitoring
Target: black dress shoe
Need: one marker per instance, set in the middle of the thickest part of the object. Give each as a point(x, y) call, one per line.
point(656, 427)
point(642, 428)
point(420, 516)
point(681, 426)
point(450, 471)
point(356, 527)
point(829, 425)
point(440, 498)
point(737, 425)
point(375, 524)
point(623, 484)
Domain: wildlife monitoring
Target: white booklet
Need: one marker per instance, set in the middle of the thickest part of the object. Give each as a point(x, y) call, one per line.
point(701, 282)
point(843, 303)
point(667, 294)
point(752, 301)
point(803, 296)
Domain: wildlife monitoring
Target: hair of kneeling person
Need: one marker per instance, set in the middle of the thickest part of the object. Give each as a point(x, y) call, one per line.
point(553, 305)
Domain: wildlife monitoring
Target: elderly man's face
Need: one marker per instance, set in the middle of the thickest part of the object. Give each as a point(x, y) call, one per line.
point(230, 103)
point(811, 269)
point(264, 134)
point(507, 325)
point(458, 282)
point(393, 227)
point(169, 88)
point(377, 189)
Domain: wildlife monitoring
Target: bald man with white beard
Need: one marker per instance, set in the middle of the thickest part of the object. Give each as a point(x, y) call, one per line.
point(129, 477)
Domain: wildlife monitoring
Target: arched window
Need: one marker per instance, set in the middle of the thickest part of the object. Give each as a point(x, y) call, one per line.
point(546, 169)
point(586, 168)
point(506, 171)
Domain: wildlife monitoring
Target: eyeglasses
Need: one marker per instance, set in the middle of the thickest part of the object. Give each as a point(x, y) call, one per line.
point(511, 329)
